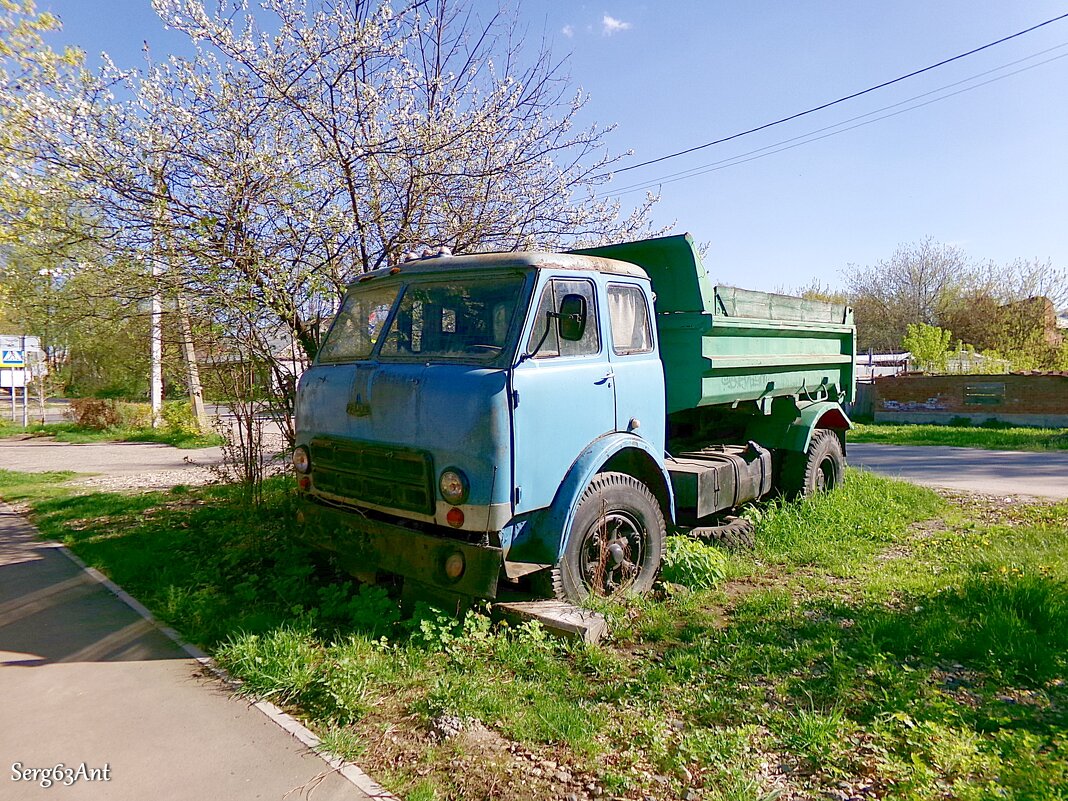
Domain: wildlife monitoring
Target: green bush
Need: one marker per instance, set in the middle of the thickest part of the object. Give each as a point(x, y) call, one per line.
point(693, 564)
point(135, 415)
point(178, 418)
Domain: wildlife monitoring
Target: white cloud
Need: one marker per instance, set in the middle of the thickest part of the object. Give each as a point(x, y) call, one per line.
point(610, 25)
point(567, 31)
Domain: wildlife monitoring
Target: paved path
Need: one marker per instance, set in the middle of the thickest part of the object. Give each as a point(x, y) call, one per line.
point(1042, 475)
point(83, 678)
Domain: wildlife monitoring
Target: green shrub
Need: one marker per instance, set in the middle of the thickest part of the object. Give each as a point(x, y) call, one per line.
point(135, 415)
point(693, 564)
point(178, 418)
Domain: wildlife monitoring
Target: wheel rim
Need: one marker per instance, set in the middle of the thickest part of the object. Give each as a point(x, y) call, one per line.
point(613, 551)
point(826, 478)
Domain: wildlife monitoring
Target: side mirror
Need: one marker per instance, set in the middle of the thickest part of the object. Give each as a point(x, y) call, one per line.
point(572, 318)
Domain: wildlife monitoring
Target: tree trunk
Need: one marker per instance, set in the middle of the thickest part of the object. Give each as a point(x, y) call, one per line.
point(196, 391)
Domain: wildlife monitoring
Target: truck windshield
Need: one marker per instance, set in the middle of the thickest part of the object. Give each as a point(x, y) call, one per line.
point(468, 319)
point(358, 324)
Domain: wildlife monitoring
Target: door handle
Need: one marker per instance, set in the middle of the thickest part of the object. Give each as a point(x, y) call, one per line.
point(606, 378)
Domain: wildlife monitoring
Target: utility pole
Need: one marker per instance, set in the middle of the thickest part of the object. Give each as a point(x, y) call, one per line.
point(156, 328)
point(156, 333)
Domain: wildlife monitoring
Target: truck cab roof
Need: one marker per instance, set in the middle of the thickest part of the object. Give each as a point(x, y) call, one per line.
point(521, 260)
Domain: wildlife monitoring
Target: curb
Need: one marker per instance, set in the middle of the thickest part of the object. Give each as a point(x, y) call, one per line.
point(283, 720)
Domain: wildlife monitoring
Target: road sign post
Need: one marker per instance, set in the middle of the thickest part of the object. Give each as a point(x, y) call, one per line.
point(14, 363)
point(13, 359)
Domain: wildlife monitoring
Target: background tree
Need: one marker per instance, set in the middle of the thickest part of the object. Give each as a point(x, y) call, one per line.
point(929, 346)
point(916, 285)
point(1008, 310)
point(304, 143)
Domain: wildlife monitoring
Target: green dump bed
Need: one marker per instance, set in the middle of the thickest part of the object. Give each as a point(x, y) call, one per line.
point(722, 344)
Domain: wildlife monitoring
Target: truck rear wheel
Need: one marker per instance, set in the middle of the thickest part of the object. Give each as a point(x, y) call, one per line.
point(820, 468)
point(616, 542)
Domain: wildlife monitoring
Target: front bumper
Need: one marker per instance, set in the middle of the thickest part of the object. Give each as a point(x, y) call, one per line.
point(365, 544)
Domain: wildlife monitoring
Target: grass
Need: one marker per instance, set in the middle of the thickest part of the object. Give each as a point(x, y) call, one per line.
point(879, 642)
point(73, 433)
point(965, 436)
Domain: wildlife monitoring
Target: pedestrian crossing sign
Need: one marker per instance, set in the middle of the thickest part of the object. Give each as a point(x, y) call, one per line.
point(12, 358)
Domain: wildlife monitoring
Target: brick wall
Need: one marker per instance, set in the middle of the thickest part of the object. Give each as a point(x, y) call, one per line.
point(1025, 399)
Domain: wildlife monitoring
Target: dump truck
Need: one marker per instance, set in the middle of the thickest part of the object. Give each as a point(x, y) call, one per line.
point(474, 421)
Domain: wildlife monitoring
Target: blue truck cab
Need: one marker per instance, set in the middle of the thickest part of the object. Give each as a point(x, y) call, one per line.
point(473, 418)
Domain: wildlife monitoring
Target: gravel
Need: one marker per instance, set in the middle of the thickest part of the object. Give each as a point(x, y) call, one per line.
point(117, 466)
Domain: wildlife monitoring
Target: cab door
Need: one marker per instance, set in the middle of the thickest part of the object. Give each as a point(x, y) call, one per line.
point(562, 395)
point(636, 365)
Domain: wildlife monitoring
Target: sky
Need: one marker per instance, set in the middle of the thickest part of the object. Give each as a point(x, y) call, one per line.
point(985, 169)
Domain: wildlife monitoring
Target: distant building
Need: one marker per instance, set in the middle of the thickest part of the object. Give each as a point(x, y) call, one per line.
point(968, 361)
point(874, 365)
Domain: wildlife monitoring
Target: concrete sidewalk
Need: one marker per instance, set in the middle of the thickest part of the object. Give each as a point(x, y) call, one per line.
point(86, 679)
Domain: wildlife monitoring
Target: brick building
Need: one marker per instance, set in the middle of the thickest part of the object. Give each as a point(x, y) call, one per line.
point(1035, 399)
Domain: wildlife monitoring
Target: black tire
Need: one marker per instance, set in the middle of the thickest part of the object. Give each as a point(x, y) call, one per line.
point(820, 468)
point(737, 534)
point(616, 543)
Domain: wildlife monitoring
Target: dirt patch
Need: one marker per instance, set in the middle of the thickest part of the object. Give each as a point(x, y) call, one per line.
point(473, 761)
point(992, 509)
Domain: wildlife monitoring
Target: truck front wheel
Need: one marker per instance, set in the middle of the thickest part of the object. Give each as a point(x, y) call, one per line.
point(820, 468)
point(616, 542)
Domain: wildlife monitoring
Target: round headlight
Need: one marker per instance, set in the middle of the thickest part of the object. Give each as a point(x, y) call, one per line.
point(453, 486)
point(301, 459)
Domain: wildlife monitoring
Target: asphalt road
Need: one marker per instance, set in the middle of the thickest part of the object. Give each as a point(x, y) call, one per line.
point(1040, 475)
point(1043, 475)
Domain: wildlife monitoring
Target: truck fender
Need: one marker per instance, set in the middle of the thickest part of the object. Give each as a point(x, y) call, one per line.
point(793, 432)
point(824, 414)
point(617, 448)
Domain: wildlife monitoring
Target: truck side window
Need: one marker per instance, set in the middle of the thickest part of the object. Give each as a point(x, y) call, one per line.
point(358, 324)
point(551, 298)
point(628, 316)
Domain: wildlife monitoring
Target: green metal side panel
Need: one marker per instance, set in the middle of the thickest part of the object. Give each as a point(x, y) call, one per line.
point(732, 301)
point(722, 345)
point(711, 360)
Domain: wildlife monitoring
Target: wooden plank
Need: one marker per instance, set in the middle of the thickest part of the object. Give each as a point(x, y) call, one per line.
point(559, 617)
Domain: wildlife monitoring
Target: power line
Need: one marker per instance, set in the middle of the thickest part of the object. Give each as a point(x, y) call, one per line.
point(870, 89)
point(810, 137)
point(777, 147)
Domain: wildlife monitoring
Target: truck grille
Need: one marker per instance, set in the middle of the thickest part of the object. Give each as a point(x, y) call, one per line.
point(392, 476)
